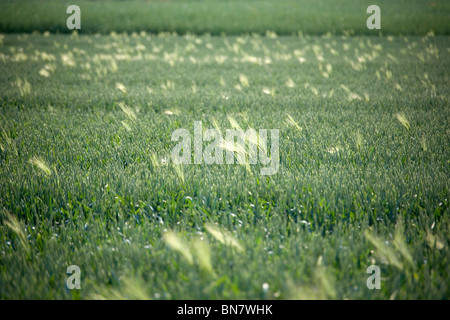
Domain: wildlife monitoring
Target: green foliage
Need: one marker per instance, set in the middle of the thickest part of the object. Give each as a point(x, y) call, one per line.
point(86, 176)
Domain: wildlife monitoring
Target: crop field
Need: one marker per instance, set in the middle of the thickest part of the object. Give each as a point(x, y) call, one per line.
point(87, 176)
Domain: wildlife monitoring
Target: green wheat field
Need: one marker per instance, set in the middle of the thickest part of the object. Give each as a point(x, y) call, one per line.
point(87, 179)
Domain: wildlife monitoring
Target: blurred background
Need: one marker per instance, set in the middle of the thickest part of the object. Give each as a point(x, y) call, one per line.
point(285, 17)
